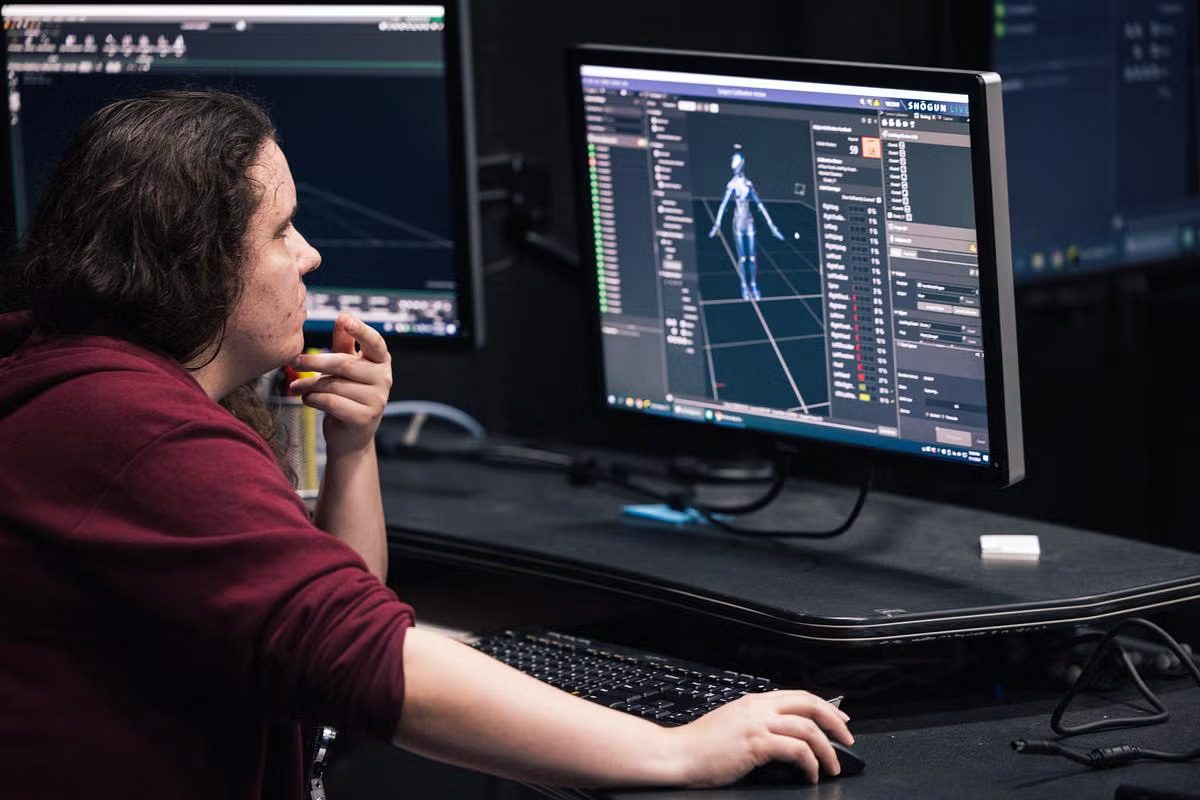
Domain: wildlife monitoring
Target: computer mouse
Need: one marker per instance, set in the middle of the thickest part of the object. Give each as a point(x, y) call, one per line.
point(782, 773)
point(850, 762)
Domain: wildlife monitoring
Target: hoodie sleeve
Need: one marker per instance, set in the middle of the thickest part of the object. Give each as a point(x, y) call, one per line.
point(200, 536)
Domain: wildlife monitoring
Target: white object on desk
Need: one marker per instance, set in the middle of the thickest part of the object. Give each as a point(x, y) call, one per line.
point(1009, 547)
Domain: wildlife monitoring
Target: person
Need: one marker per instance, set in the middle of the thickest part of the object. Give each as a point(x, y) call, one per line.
point(742, 190)
point(170, 615)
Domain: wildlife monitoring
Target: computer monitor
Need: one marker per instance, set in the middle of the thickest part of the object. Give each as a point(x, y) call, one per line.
point(1103, 135)
point(809, 251)
point(373, 108)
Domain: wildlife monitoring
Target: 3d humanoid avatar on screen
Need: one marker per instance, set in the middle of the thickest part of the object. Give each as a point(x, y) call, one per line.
point(741, 189)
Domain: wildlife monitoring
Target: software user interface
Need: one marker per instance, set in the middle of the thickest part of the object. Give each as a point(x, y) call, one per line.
point(358, 95)
point(797, 258)
point(1102, 111)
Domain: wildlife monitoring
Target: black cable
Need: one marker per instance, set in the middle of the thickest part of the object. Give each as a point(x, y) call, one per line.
point(1102, 757)
point(1093, 666)
point(859, 502)
point(779, 474)
point(590, 470)
point(1098, 758)
point(1117, 755)
point(1161, 714)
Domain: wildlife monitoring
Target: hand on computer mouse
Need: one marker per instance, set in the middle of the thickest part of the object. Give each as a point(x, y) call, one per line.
point(786, 726)
point(778, 773)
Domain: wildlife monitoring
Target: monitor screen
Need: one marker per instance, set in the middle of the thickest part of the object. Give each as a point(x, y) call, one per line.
point(820, 256)
point(1100, 103)
point(371, 111)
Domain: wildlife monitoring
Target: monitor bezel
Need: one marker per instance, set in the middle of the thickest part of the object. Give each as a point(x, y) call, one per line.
point(998, 319)
point(463, 160)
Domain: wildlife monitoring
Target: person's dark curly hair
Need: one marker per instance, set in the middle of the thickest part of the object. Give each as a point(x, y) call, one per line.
point(141, 232)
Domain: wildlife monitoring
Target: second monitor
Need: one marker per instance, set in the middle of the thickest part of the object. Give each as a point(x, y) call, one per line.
point(373, 108)
point(807, 250)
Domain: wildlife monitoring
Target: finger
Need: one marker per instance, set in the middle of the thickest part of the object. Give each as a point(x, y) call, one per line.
point(338, 407)
point(836, 703)
point(352, 390)
point(348, 329)
point(807, 730)
point(807, 705)
point(353, 367)
point(795, 751)
point(343, 340)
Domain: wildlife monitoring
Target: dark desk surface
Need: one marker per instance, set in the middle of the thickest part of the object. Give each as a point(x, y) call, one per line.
point(944, 759)
point(907, 570)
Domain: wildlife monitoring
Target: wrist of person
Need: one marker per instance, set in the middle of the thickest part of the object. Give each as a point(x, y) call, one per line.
point(350, 451)
point(677, 764)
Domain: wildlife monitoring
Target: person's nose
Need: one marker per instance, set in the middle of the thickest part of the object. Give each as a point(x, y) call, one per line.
point(310, 258)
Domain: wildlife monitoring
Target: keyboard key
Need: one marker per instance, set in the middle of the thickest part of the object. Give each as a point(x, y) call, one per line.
point(666, 690)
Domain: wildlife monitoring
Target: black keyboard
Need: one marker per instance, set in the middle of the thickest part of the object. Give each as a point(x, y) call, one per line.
point(669, 691)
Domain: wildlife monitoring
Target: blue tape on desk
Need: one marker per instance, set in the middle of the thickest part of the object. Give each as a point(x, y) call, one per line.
point(664, 514)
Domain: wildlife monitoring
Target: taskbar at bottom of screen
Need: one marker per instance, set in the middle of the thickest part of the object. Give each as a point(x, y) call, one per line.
point(804, 426)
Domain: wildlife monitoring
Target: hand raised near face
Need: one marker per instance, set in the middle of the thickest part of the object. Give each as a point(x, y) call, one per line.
point(352, 385)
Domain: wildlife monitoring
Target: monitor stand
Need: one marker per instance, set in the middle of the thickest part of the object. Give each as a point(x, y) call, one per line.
point(700, 470)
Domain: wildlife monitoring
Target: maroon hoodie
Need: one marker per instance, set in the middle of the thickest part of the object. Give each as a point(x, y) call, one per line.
point(168, 614)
